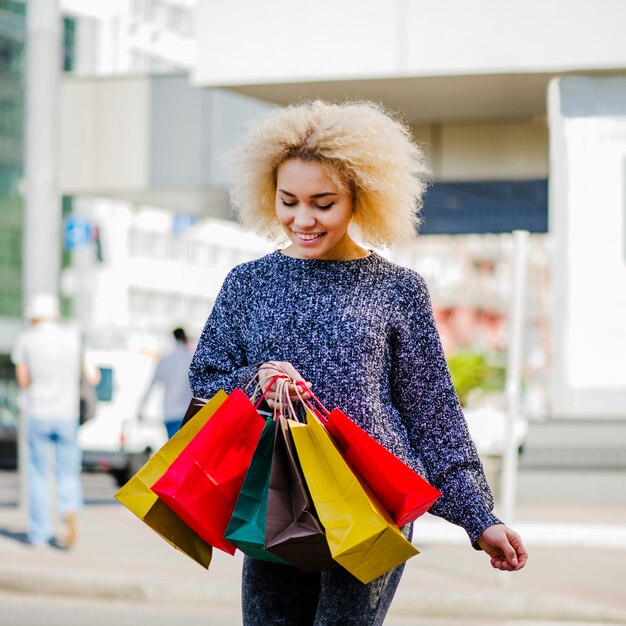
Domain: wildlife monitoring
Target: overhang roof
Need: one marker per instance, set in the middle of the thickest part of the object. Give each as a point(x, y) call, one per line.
point(427, 99)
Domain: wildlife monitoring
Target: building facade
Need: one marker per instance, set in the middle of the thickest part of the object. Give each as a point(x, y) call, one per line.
point(153, 258)
point(472, 79)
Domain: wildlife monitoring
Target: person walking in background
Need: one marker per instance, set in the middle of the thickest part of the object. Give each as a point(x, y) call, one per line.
point(358, 328)
point(172, 372)
point(48, 360)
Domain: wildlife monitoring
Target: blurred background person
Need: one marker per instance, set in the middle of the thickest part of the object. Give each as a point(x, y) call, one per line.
point(48, 362)
point(172, 373)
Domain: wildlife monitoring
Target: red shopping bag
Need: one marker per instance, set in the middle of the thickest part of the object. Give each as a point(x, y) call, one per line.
point(404, 494)
point(202, 485)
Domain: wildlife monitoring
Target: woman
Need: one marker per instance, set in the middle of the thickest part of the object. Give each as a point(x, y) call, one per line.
point(356, 328)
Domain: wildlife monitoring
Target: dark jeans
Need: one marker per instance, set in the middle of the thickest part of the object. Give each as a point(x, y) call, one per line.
point(275, 594)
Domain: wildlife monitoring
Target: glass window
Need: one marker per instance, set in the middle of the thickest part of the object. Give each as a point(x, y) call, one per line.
point(9, 181)
point(69, 44)
point(11, 59)
point(10, 247)
point(104, 389)
point(10, 304)
point(12, 6)
point(11, 119)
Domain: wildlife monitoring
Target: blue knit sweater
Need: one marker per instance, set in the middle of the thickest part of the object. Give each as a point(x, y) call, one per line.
point(362, 332)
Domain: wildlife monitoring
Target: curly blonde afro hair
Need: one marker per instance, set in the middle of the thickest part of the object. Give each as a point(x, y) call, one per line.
point(365, 150)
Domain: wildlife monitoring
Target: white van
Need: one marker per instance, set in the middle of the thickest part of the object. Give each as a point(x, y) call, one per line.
point(115, 440)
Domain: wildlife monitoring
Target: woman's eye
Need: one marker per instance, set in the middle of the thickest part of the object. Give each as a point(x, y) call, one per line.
point(287, 203)
point(324, 206)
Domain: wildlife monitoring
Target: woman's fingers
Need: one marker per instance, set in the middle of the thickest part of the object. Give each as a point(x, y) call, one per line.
point(295, 392)
point(504, 547)
point(281, 383)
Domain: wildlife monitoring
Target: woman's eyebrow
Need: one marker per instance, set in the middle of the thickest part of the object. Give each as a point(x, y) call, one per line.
point(323, 194)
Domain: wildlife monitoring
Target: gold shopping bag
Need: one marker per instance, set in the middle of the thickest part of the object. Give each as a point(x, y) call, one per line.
point(362, 537)
point(137, 496)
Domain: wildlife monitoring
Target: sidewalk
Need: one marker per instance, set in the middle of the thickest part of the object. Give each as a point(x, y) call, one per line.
point(576, 570)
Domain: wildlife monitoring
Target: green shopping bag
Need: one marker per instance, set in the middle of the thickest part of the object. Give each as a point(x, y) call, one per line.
point(246, 528)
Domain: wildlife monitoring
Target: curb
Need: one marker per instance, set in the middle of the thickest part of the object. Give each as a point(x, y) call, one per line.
point(428, 604)
point(498, 605)
point(114, 587)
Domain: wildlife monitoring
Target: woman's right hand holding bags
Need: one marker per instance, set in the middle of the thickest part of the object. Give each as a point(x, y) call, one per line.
point(297, 386)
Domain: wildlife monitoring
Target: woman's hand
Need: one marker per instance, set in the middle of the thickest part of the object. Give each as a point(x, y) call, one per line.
point(284, 369)
point(504, 547)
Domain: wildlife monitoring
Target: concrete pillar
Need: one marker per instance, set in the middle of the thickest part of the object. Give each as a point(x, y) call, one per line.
point(587, 117)
point(42, 210)
point(41, 257)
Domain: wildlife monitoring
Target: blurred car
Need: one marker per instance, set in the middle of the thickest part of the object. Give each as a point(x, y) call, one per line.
point(9, 415)
point(116, 440)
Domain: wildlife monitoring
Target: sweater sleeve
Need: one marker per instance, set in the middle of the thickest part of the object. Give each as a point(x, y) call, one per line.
point(220, 361)
point(424, 394)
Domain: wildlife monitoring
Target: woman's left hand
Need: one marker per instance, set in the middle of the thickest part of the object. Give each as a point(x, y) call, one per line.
point(504, 547)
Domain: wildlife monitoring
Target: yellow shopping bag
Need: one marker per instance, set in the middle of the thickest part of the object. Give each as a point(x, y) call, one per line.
point(362, 537)
point(137, 496)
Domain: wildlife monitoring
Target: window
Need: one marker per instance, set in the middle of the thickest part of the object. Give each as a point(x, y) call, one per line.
point(104, 389)
point(9, 181)
point(11, 119)
point(69, 44)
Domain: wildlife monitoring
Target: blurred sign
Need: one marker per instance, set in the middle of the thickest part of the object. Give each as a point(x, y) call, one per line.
point(78, 232)
point(182, 223)
point(486, 207)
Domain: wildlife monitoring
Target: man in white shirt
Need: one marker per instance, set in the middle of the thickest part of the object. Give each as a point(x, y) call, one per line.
point(48, 362)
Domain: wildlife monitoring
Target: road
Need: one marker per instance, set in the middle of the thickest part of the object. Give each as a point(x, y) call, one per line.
point(28, 610)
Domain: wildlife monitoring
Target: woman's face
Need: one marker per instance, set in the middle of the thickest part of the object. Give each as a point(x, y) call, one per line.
point(313, 211)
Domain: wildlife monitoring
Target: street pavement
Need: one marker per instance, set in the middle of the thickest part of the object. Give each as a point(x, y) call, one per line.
point(576, 570)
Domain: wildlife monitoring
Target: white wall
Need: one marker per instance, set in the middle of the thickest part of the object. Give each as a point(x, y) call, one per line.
point(104, 135)
point(496, 151)
point(493, 152)
point(246, 41)
point(588, 222)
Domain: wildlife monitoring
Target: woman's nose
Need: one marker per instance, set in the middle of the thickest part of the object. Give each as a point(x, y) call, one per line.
point(303, 218)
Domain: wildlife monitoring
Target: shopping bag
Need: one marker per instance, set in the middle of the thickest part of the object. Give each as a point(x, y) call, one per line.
point(195, 404)
point(201, 486)
point(246, 528)
point(361, 535)
point(137, 496)
point(292, 530)
point(404, 494)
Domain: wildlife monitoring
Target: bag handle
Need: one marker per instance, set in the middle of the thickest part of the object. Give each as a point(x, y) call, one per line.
point(283, 404)
point(287, 407)
point(273, 380)
point(317, 407)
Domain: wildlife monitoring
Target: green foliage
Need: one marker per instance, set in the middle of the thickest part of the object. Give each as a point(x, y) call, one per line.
point(473, 370)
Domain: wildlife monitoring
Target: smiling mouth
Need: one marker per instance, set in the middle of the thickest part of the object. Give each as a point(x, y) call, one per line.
point(307, 236)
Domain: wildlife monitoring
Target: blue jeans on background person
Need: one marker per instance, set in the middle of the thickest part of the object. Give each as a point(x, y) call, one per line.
point(173, 426)
point(61, 437)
